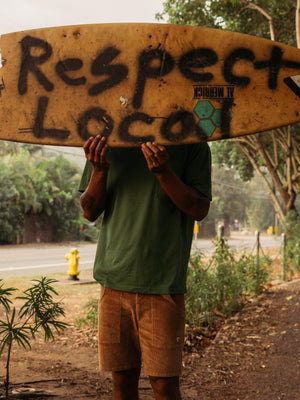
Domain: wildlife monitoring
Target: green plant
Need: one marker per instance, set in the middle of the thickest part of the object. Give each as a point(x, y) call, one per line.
point(292, 249)
point(222, 287)
point(200, 296)
point(254, 272)
point(39, 310)
point(91, 318)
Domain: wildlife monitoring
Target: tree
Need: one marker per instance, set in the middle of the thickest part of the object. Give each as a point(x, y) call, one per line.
point(230, 201)
point(275, 155)
point(263, 19)
point(56, 182)
point(39, 190)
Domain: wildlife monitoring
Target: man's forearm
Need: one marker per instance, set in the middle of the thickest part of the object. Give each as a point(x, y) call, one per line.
point(185, 197)
point(93, 200)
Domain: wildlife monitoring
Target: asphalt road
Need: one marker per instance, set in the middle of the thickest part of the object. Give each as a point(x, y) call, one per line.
point(43, 259)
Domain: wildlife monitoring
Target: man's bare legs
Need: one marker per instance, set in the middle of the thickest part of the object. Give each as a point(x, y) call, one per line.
point(125, 384)
point(165, 388)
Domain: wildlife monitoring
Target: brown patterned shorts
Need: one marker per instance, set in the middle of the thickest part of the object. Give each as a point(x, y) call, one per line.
point(137, 329)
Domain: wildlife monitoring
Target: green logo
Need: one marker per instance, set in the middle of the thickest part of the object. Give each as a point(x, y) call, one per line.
point(210, 117)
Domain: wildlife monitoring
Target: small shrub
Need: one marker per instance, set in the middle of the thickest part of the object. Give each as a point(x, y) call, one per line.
point(222, 287)
point(292, 231)
point(91, 318)
point(39, 310)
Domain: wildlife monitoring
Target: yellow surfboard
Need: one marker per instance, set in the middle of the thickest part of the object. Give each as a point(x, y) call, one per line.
point(139, 82)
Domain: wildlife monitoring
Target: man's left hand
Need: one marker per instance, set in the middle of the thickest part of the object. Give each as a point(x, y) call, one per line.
point(156, 156)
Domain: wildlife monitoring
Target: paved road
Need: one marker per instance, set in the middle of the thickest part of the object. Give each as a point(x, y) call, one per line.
point(27, 260)
point(240, 242)
point(42, 259)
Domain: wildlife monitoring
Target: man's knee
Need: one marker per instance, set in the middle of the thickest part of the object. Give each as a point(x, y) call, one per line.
point(166, 388)
point(126, 380)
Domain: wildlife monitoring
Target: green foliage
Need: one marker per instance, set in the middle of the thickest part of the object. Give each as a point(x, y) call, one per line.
point(260, 211)
point(39, 310)
point(45, 187)
point(191, 12)
point(260, 214)
point(5, 294)
point(91, 318)
point(224, 285)
point(57, 181)
point(292, 231)
point(40, 306)
point(226, 153)
point(234, 15)
point(234, 199)
point(11, 217)
point(231, 197)
point(200, 296)
point(89, 231)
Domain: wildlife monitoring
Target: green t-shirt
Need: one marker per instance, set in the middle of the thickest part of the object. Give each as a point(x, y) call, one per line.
point(145, 240)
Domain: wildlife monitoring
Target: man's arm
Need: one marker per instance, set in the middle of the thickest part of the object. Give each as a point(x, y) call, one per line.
point(186, 198)
point(93, 200)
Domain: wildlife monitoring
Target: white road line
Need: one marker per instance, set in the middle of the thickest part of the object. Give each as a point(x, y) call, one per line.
point(41, 266)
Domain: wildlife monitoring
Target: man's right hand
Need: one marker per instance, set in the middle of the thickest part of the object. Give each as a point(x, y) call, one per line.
point(93, 200)
point(95, 149)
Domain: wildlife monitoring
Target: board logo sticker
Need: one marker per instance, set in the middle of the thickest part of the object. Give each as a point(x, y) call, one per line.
point(210, 116)
point(293, 82)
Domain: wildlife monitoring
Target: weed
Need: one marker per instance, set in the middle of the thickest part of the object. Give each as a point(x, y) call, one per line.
point(91, 318)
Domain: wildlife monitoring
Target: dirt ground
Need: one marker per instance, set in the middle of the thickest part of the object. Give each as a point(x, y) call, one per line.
point(254, 356)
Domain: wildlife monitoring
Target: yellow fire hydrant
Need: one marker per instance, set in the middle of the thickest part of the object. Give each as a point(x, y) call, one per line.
point(72, 258)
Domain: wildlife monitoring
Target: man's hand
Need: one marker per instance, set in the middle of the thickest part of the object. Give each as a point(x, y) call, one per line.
point(156, 156)
point(93, 200)
point(185, 197)
point(95, 149)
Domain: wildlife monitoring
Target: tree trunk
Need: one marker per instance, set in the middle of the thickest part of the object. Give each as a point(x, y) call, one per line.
point(298, 23)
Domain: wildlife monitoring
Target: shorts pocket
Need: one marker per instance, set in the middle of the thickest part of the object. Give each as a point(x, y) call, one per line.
point(109, 321)
point(168, 319)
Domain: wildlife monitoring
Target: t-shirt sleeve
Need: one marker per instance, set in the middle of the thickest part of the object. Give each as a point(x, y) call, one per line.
point(198, 169)
point(86, 176)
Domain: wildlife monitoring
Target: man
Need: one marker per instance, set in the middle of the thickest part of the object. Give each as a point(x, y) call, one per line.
point(150, 197)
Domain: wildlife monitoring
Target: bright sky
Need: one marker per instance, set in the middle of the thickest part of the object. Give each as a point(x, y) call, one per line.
point(17, 15)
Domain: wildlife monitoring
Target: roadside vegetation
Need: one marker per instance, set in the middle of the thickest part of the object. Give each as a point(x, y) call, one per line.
point(39, 198)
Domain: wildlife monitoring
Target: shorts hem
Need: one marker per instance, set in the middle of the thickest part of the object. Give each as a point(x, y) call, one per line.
point(160, 374)
point(119, 368)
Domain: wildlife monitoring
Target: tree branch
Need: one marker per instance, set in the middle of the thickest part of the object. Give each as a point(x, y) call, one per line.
point(298, 23)
point(264, 13)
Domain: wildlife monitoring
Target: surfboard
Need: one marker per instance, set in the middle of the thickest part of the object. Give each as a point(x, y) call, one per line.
point(143, 82)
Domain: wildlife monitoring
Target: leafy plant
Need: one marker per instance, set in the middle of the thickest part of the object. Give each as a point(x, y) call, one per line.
point(91, 317)
point(222, 287)
point(39, 310)
point(291, 249)
point(39, 194)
